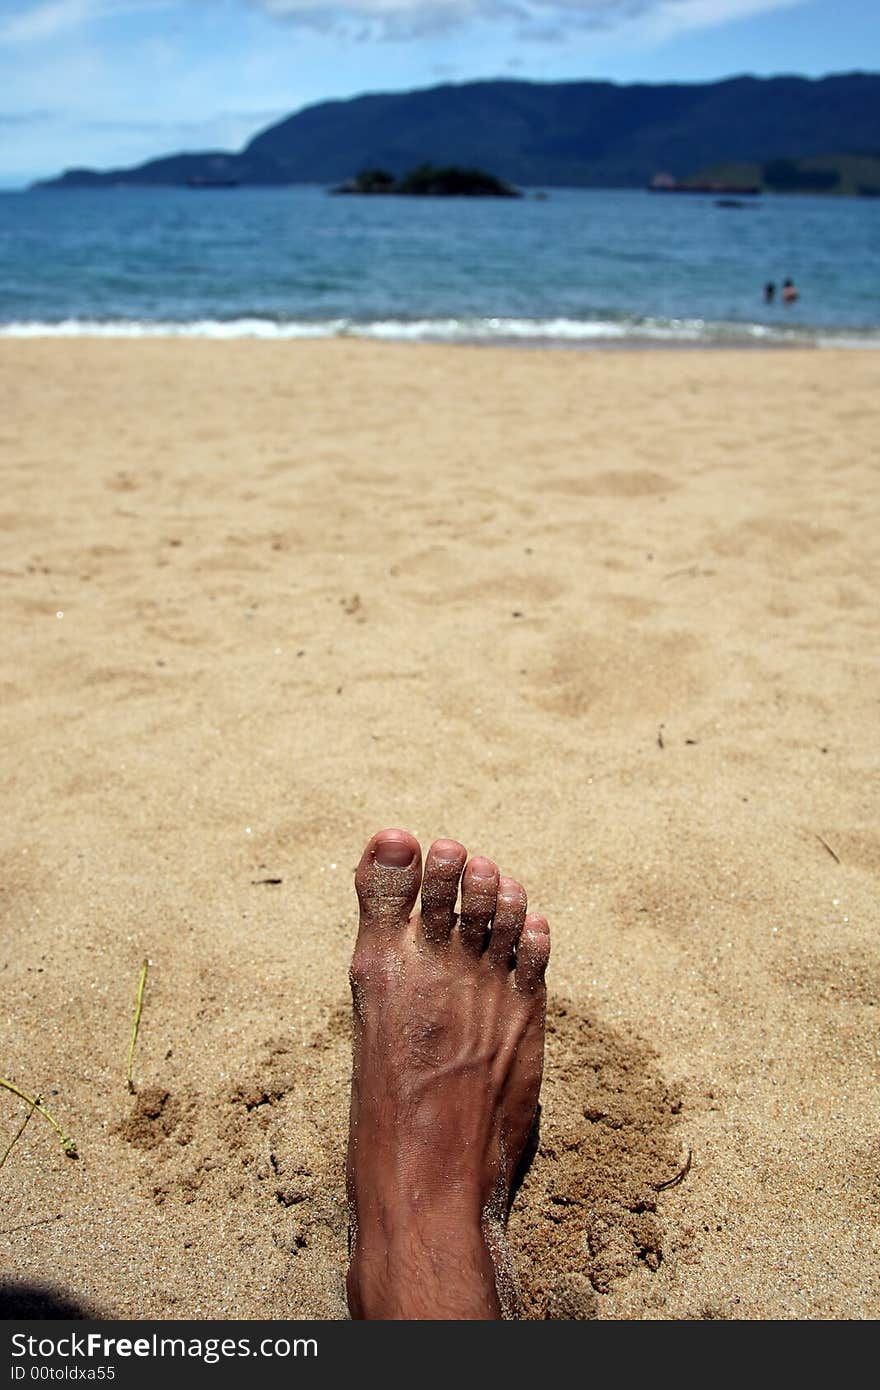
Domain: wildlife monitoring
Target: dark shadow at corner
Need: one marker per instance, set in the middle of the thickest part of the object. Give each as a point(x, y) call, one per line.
point(26, 1301)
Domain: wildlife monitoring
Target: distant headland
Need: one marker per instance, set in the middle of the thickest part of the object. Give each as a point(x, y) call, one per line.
point(784, 133)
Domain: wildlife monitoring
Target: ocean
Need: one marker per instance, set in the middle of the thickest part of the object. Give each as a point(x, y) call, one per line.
point(566, 266)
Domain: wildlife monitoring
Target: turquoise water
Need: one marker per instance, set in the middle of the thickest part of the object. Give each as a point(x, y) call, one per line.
point(576, 266)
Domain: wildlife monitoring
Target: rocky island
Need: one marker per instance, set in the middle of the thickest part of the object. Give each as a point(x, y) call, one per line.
point(428, 181)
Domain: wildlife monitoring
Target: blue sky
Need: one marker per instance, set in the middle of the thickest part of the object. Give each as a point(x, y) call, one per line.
point(114, 82)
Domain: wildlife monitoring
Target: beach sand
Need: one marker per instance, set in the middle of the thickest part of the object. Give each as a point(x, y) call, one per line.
point(609, 618)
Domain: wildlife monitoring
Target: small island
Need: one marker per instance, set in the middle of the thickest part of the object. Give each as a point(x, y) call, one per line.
point(429, 181)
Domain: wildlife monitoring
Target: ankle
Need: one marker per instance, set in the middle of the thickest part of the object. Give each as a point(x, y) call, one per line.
point(431, 1270)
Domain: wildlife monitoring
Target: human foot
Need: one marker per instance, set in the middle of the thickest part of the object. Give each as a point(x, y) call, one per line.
point(448, 1055)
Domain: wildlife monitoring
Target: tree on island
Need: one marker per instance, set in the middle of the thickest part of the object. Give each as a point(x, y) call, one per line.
point(429, 181)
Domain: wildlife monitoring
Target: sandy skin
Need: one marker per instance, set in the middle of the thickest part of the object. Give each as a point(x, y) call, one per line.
point(448, 1057)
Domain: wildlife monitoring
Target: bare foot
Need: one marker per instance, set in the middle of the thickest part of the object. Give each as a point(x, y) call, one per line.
point(448, 1055)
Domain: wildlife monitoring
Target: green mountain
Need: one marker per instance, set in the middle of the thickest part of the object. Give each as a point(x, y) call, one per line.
point(564, 133)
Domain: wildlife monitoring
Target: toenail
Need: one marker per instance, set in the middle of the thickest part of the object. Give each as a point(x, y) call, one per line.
point(394, 854)
point(449, 851)
point(447, 866)
point(482, 868)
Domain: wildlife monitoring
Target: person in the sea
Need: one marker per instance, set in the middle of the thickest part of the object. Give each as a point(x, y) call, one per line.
point(789, 292)
point(769, 292)
point(448, 1057)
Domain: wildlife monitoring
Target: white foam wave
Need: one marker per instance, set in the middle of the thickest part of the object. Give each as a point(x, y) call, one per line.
point(159, 328)
point(452, 330)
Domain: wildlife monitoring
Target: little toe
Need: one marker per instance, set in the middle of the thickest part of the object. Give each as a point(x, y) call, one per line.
point(443, 865)
point(479, 887)
point(532, 953)
point(507, 924)
point(387, 878)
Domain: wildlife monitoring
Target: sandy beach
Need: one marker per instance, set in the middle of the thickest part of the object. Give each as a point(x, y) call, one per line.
point(608, 618)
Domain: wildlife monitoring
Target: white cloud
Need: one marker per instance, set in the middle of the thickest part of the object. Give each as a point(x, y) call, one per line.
point(677, 16)
point(404, 19)
point(36, 23)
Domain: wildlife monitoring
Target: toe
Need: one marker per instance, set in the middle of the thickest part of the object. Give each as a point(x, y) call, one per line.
point(443, 865)
point(387, 878)
point(510, 914)
point(479, 887)
point(532, 953)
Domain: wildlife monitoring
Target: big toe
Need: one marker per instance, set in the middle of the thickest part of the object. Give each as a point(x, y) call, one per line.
point(387, 878)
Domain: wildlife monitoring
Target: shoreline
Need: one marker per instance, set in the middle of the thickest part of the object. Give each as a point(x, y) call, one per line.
point(608, 618)
point(608, 339)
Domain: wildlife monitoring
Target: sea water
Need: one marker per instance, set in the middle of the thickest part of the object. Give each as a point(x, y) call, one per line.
point(565, 266)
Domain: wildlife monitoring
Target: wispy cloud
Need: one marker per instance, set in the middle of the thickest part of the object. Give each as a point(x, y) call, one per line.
point(175, 129)
point(677, 16)
point(35, 21)
point(411, 19)
point(417, 18)
point(47, 19)
point(25, 118)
